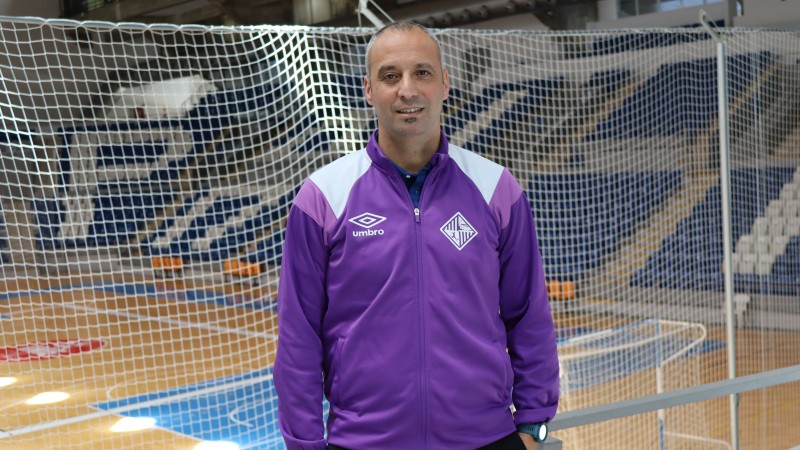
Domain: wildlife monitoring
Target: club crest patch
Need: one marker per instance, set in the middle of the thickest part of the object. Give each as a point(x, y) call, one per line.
point(459, 231)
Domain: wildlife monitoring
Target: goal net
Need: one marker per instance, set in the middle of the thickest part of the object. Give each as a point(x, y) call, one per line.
point(147, 172)
point(635, 360)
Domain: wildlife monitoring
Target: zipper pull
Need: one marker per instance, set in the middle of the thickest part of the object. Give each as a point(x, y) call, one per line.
point(416, 215)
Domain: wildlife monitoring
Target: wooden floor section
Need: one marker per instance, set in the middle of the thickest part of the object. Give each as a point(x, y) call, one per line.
point(161, 337)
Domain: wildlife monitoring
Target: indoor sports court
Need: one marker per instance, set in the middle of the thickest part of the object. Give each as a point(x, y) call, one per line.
point(190, 366)
point(148, 170)
point(196, 361)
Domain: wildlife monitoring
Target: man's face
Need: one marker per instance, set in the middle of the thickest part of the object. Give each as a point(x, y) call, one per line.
point(406, 84)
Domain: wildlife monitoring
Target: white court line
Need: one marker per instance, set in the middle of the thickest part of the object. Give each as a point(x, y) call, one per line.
point(221, 330)
point(181, 323)
point(155, 402)
point(124, 409)
point(69, 388)
point(233, 418)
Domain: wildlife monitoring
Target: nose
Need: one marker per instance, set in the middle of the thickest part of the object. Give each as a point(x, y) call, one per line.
point(408, 88)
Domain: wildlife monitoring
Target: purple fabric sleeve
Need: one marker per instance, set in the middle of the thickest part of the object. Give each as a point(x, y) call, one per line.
point(525, 308)
point(301, 305)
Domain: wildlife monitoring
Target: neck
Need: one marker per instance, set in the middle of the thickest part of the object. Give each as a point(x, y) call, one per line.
point(410, 154)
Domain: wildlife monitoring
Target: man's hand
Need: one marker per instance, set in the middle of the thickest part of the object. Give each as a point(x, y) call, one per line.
point(527, 439)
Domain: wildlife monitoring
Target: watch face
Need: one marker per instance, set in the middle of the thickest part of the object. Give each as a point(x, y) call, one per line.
point(538, 431)
point(542, 433)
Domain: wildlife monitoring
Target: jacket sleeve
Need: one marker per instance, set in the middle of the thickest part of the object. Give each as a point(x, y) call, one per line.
point(301, 306)
point(525, 310)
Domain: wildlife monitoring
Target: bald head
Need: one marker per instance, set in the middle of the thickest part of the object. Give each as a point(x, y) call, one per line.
point(406, 86)
point(404, 27)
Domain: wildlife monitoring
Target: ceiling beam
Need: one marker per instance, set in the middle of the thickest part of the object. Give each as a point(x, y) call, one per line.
point(124, 10)
point(446, 13)
point(190, 11)
point(199, 15)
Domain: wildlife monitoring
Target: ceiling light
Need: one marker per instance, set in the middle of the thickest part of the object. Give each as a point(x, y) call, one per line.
point(7, 381)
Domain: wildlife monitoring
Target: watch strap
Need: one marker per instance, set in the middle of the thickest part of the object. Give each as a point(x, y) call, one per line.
point(537, 430)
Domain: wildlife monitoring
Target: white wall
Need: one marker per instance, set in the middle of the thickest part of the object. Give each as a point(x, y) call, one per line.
point(525, 21)
point(685, 16)
point(37, 8)
point(770, 13)
point(757, 13)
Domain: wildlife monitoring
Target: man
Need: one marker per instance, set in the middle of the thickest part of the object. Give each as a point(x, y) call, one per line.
point(412, 291)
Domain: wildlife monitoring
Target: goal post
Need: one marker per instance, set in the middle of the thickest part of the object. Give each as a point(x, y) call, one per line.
point(148, 170)
point(635, 360)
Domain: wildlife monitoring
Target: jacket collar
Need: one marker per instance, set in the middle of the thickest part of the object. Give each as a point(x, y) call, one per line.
point(382, 161)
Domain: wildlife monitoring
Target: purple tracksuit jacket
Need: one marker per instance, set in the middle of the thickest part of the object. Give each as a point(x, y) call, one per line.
point(422, 325)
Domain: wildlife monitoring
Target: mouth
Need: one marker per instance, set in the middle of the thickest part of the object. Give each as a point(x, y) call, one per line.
point(409, 110)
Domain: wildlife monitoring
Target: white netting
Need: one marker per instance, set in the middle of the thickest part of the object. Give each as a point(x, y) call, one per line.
point(636, 360)
point(147, 174)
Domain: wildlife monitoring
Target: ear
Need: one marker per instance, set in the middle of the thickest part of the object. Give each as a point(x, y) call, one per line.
point(446, 84)
point(368, 90)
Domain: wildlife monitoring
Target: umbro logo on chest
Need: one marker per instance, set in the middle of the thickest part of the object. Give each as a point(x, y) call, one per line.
point(367, 221)
point(457, 229)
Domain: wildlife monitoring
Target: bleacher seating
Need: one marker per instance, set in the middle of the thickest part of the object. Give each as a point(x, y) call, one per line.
point(524, 110)
point(269, 250)
point(12, 145)
point(640, 41)
point(5, 255)
point(210, 116)
point(691, 258)
point(126, 169)
point(349, 89)
point(608, 81)
point(115, 217)
point(214, 226)
point(252, 228)
point(687, 90)
point(529, 96)
point(295, 129)
point(785, 271)
point(470, 110)
point(119, 216)
point(580, 217)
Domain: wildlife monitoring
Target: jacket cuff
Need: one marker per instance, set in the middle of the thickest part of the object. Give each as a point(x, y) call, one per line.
point(529, 416)
point(296, 444)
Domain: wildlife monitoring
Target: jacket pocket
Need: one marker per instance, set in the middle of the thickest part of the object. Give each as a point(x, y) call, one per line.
point(508, 373)
point(336, 367)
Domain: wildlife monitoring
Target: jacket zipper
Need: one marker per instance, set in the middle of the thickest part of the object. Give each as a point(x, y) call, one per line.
point(423, 387)
point(420, 295)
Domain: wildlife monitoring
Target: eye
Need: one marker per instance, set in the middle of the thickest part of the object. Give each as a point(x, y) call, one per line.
point(389, 76)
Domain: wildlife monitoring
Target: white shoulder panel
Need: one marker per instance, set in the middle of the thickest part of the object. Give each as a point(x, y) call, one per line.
point(337, 178)
point(484, 173)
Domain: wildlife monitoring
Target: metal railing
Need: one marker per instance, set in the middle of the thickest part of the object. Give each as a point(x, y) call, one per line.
point(610, 411)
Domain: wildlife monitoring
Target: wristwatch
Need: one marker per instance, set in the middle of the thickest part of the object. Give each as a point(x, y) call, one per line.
point(537, 430)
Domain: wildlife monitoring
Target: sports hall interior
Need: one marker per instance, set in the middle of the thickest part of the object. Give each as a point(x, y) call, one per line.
point(140, 243)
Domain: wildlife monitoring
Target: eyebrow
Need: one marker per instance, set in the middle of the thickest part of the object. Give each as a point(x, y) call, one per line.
point(417, 66)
